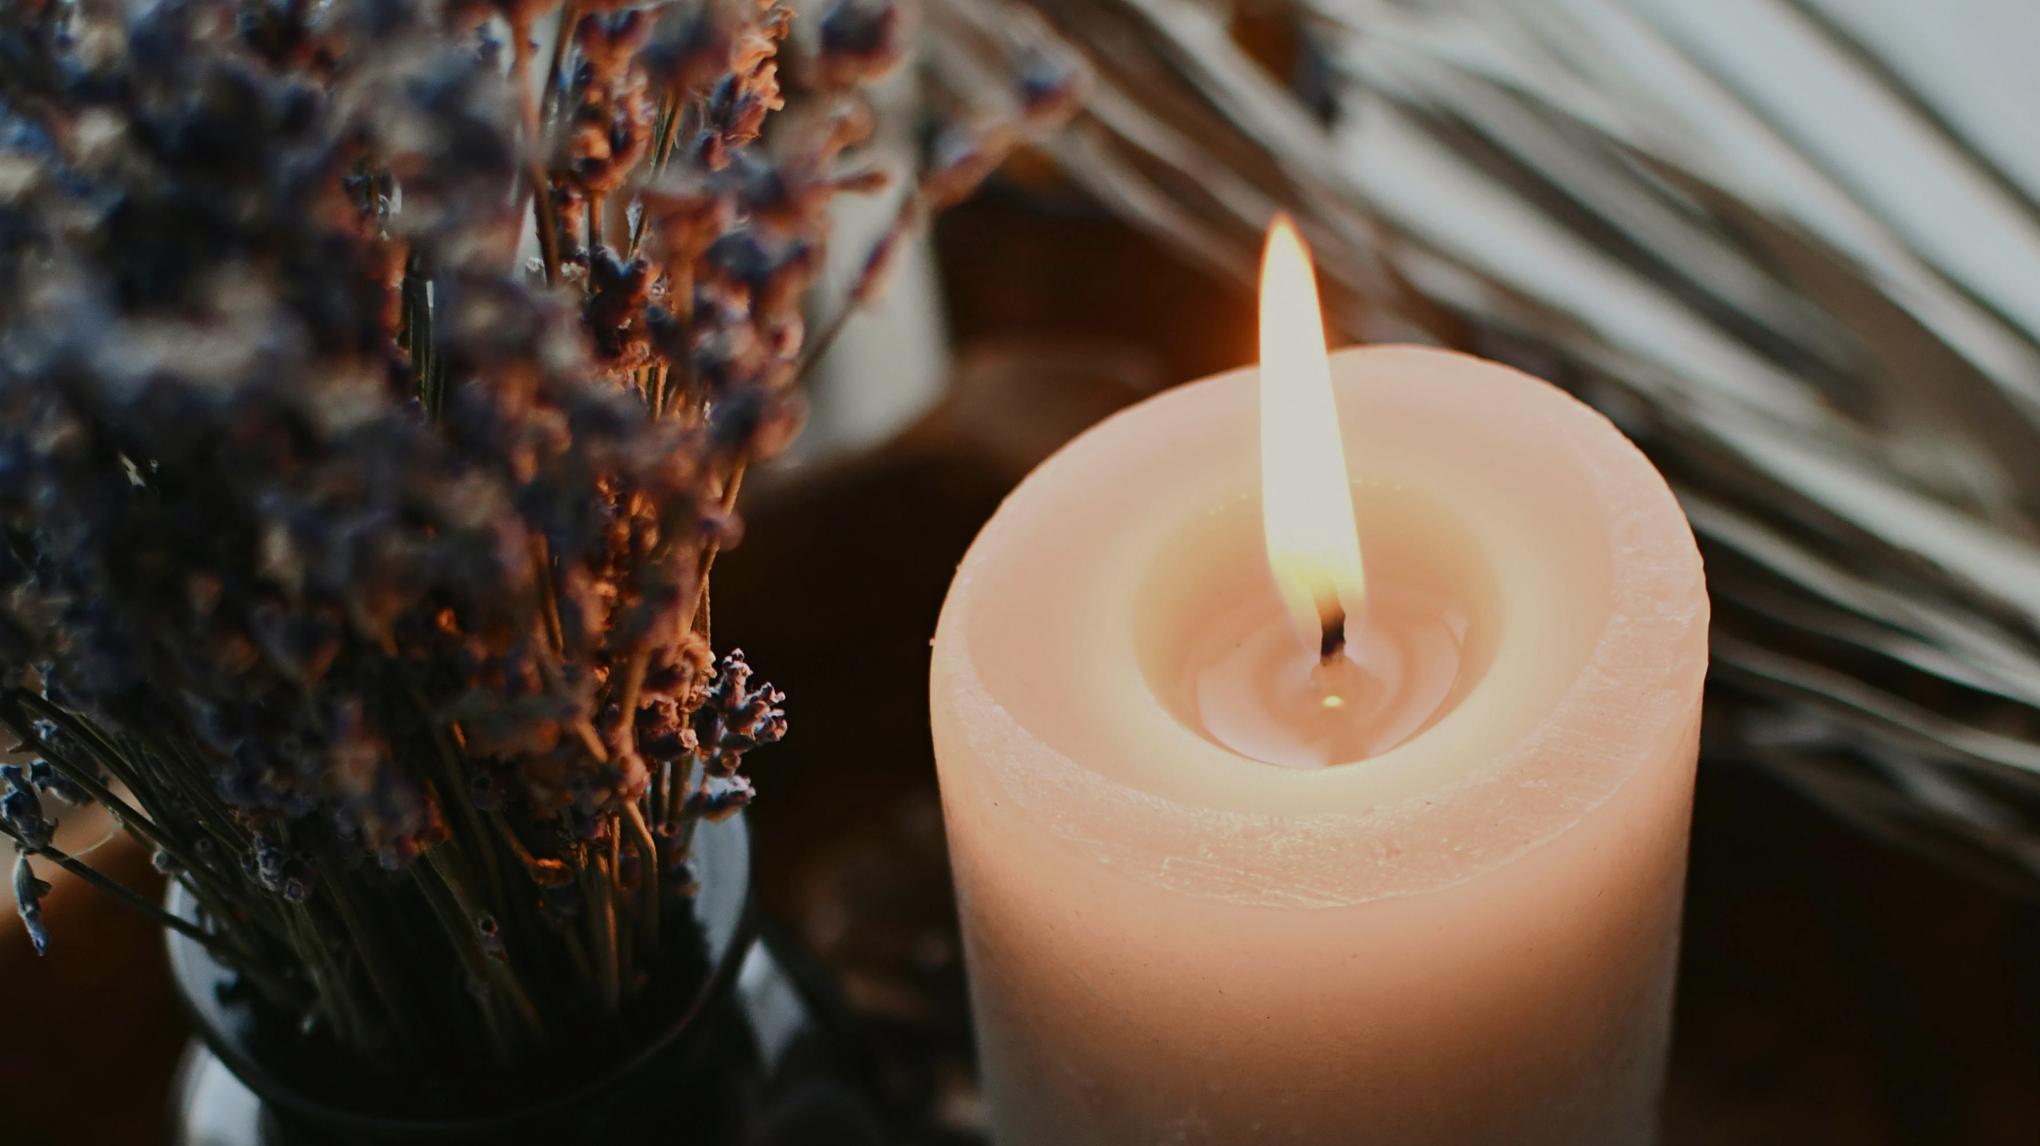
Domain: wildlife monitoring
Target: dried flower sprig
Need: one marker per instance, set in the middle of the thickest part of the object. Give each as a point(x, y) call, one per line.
point(377, 381)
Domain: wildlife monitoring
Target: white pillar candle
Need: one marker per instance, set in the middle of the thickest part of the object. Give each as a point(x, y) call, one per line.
point(1180, 925)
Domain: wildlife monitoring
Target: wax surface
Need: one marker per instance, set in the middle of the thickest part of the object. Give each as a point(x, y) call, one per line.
point(1256, 685)
point(1466, 939)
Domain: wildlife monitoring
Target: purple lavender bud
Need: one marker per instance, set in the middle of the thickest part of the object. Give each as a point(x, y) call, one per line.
point(685, 215)
point(860, 40)
point(688, 49)
point(485, 791)
point(560, 906)
point(609, 40)
point(51, 782)
point(279, 871)
point(737, 107)
point(736, 718)
point(961, 157)
point(682, 876)
point(22, 812)
point(878, 264)
point(28, 893)
point(756, 422)
point(724, 797)
point(490, 935)
point(1052, 88)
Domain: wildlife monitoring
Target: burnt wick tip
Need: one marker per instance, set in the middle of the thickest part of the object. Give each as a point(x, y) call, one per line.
point(1332, 637)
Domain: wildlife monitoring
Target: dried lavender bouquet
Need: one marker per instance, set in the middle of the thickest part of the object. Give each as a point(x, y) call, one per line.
point(376, 383)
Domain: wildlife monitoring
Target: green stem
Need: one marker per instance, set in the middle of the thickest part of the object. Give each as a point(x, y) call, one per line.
point(128, 816)
point(329, 980)
point(541, 568)
point(676, 793)
point(556, 68)
point(221, 950)
point(445, 758)
point(689, 823)
point(655, 395)
point(601, 916)
point(682, 296)
point(619, 950)
point(671, 112)
point(458, 921)
point(214, 818)
point(648, 864)
point(698, 610)
point(383, 979)
point(543, 872)
point(132, 898)
point(819, 345)
point(534, 141)
point(502, 973)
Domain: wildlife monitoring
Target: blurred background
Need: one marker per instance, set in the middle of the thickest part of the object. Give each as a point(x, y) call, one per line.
point(1791, 246)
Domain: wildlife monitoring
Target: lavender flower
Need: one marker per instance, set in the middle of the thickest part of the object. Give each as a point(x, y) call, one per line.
point(51, 782)
point(368, 553)
point(736, 719)
point(273, 866)
point(860, 40)
point(28, 893)
point(490, 935)
point(721, 797)
point(21, 812)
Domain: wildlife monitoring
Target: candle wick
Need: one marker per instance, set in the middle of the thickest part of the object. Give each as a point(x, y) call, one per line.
point(1332, 634)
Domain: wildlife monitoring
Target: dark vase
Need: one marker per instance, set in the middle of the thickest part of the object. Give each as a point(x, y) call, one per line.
point(748, 1057)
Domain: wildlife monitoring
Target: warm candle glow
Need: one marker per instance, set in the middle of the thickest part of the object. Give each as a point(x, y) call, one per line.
point(1306, 501)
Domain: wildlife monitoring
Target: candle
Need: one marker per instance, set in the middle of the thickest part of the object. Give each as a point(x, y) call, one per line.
point(1275, 827)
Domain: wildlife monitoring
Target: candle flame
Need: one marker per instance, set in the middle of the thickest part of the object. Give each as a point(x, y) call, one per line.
point(1306, 496)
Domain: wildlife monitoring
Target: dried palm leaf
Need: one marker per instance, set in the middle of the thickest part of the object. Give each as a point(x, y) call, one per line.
point(1763, 235)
